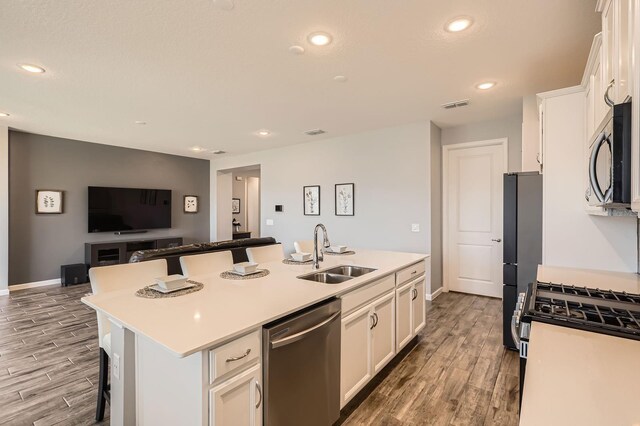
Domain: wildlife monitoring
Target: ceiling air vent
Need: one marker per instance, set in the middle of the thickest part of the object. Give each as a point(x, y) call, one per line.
point(456, 104)
point(314, 132)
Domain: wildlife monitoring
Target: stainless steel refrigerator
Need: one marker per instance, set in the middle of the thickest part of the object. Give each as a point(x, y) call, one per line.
point(522, 241)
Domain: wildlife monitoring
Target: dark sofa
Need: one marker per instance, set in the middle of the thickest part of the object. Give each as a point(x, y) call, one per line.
point(238, 250)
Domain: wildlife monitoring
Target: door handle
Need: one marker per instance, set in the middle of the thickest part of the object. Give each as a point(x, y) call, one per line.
point(298, 336)
point(497, 240)
point(259, 394)
point(238, 358)
point(607, 99)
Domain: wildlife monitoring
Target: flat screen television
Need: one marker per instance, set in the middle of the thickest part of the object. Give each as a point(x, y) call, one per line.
point(128, 209)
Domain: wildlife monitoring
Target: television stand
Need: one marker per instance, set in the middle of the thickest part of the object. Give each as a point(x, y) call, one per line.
point(141, 231)
point(116, 252)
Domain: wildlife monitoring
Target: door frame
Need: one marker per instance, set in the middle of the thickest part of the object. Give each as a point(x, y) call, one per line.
point(446, 149)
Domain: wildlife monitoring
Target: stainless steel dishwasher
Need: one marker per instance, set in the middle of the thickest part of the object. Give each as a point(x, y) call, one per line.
point(301, 355)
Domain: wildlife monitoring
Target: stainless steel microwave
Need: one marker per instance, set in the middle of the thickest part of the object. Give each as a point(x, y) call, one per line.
point(609, 161)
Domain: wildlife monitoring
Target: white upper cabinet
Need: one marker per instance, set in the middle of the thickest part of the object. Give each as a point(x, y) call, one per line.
point(617, 33)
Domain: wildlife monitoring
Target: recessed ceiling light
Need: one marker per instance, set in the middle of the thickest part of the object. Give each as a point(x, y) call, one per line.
point(296, 50)
point(486, 85)
point(263, 133)
point(340, 78)
point(197, 149)
point(4, 114)
point(140, 123)
point(459, 24)
point(319, 39)
point(32, 68)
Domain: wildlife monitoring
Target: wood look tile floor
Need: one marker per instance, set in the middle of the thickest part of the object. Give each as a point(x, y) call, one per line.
point(458, 373)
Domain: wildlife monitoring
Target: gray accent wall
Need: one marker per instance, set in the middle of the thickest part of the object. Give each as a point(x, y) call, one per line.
point(40, 244)
point(507, 127)
point(390, 169)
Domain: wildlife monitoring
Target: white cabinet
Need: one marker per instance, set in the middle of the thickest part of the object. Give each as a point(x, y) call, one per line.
point(417, 304)
point(617, 33)
point(368, 344)
point(355, 353)
point(404, 329)
point(410, 311)
point(237, 401)
point(383, 332)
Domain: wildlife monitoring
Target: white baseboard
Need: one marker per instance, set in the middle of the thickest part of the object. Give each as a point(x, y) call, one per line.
point(4, 292)
point(55, 281)
point(435, 294)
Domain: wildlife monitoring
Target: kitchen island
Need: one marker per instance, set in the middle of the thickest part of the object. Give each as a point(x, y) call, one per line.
point(167, 363)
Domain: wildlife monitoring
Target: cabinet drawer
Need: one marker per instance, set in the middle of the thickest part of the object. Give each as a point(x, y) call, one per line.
point(234, 356)
point(410, 273)
point(364, 294)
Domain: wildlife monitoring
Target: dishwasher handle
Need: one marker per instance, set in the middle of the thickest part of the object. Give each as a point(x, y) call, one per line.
point(301, 335)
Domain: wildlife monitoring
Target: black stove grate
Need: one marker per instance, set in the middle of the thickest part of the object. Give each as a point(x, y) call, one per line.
point(607, 311)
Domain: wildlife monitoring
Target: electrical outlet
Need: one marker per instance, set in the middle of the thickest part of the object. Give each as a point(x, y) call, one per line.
point(415, 227)
point(269, 222)
point(115, 366)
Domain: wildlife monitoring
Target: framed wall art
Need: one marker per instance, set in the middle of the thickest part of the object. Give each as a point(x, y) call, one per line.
point(345, 199)
point(235, 205)
point(48, 201)
point(311, 200)
point(190, 204)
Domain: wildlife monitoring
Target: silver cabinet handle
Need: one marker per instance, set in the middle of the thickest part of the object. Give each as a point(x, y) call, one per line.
point(375, 317)
point(260, 394)
point(607, 99)
point(497, 240)
point(414, 293)
point(237, 358)
point(373, 321)
point(538, 158)
point(414, 272)
point(301, 335)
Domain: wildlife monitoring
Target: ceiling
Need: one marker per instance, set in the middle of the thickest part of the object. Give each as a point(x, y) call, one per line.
point(200, 75)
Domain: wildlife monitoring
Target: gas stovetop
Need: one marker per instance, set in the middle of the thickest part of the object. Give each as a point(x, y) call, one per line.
point(603, 311)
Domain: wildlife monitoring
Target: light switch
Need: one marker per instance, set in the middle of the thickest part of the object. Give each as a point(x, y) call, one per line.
point(269, 222)
point(415, 227)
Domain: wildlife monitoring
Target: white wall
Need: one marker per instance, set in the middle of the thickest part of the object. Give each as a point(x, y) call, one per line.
point(508, 127)
point(530, 134)
point(4, 210)
point(221, 204)
point(253, 206)
point(571, 237)
point(390, 169)
point(436, 208)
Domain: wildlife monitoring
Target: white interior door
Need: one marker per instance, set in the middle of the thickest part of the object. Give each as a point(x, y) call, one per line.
point(473, 215)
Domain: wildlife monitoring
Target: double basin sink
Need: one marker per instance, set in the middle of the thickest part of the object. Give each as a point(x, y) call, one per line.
point(337, 274)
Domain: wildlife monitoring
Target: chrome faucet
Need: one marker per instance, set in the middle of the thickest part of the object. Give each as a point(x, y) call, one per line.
point(318, 256)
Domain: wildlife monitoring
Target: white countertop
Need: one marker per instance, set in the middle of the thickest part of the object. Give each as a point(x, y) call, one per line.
point(224, 309)
point(576, 377)
point(592, 278)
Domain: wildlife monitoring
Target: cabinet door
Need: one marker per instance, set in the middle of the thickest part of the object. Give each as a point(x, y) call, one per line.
point(418, 306)
point(238, 401)
point(383, 333)
point(404, 316)
point(355, 354)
